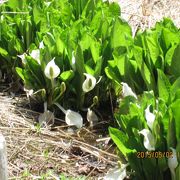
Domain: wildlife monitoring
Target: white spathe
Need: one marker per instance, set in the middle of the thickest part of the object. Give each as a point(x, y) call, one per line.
point(35, 54)
point(41, 45)
point(72, 118)
point(46, 118)
point(173, 163)
point(23, 58)
point(73, 61)
point(150, 117)
point(127, 91)
point(92, 117)
point(116, 173)
point(149, 141)
point(89, 83)
point(52, 70)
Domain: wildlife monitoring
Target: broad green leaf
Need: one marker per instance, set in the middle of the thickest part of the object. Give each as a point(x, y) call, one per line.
point(66, 75)
point(86, 41)
point(3, 52)
point(145, 72)
point(79, 60)
point(175, 64)
point(163, 85)
point(115, 10)
point(169, 55)
point(20, 73)
point(121, 34)
point(176, 114)
point(121, 140)
point(169, 37)
point(36, 71)
point(95, 50)
point(88, 69)
point(175, 87)
point(99, 67)
point(153, 47)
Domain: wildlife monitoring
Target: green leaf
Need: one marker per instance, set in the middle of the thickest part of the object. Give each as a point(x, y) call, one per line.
point(111, 74)
point(175, 87)
point(115, 10)
point(121, 140)
point(20, 73)
point(176, 114)
point(169, 55)
point(121, 34)
point(95, 50)
point(163, 85)
point(67, 75)
point(3, 52)
point(154, 50)
point(36, 71)
point(175, 64)
point(145, 72)
point(169, 37)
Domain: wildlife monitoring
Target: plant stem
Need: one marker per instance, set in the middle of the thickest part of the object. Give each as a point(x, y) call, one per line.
point(61, 108)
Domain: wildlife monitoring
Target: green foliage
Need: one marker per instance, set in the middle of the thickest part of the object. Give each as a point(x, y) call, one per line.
point(165, 129)
point(83, 37)
point(137, 61)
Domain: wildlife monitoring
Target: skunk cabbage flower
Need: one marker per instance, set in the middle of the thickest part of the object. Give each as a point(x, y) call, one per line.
point(173, 163)
point(23, 58)
point(46, 118)
point(150, 117)
point(71, 117)
point(149, 141)
point(127, 91)
point(41, 45)
point(89, 83)
point(52, 70)
point(35, 54)
point(73, 61)
point(92, 117)
point(116, 173)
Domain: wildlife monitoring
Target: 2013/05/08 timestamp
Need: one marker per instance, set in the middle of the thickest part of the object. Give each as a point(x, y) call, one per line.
point(156, 154)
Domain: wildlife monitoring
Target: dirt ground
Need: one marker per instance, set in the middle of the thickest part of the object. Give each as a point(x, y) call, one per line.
point(145, 13)
point(35, 152)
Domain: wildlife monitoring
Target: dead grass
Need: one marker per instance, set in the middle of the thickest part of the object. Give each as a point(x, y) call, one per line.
point(33, 151)
point(145, 13)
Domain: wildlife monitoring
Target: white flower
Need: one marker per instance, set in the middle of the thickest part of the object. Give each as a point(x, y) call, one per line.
point(150, 117)
point(29, 92)
point(71, 117)
point(3, 1)
point(149, 141)
point(23, 58)
point(52, 70)
point(73, 61)
point(173, 163)
point(116, 173)
point(46, 118)
point(127, 91)
point(35, 54)
point(47, 3)
point(92, 117)
point(89, 83)
point(41, 45)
